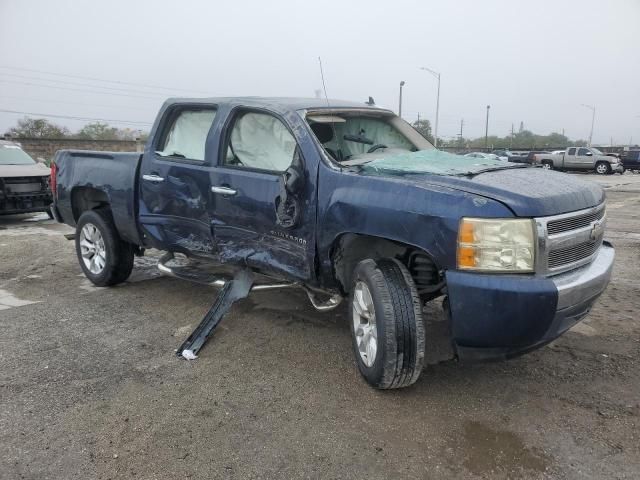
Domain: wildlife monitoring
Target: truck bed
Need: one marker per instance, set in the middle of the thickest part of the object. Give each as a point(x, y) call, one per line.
point(89, 176)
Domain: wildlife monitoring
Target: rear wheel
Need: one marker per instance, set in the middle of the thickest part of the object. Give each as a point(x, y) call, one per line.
point(104, 257)
point(603, 168)
point(386, 324)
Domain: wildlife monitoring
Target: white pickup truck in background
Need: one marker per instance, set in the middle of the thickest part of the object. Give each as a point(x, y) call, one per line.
point(580, 158)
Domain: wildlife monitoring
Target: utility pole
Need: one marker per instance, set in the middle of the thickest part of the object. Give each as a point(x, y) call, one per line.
point(400, 100)
point(593, 119)
point(486, 130)
point(437, 75)
point(511, 139)
point(461, 137)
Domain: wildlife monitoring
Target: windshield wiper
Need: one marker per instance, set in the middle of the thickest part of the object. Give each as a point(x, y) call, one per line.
point(493, 169)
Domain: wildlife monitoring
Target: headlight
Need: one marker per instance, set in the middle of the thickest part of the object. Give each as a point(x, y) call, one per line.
point(496, 245)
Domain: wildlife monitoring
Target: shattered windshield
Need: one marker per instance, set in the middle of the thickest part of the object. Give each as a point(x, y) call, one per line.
point(353, 134)
point(14, 155)
point(434, 162)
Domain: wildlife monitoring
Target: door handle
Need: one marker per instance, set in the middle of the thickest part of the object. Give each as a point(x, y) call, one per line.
point(224, 190)
point(153, 178)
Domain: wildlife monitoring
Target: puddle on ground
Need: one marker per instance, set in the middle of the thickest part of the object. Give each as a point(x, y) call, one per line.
point(489, 451)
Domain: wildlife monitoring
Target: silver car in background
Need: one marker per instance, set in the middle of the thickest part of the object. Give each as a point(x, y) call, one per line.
point(24, 183)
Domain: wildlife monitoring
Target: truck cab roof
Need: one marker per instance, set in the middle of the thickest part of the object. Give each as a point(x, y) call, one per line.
point(279, 104)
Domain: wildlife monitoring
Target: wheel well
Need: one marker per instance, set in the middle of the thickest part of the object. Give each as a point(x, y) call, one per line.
point(87, 198)
point(350, 249)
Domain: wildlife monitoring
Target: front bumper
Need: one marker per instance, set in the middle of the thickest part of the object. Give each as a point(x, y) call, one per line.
point(501, 316)
point(617, 167)
point(37, 202)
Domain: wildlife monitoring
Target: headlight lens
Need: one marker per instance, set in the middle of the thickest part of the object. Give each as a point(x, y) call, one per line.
point(496, 245)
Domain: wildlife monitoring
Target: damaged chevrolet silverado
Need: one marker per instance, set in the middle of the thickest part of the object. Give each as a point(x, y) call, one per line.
point(344, 200)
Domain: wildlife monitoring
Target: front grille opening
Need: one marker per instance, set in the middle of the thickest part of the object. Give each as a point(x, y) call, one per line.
point(562, 225)
point(575, 253)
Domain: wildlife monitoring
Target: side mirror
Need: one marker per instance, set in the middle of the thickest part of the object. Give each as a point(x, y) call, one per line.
point(589, 154)
point(293, 177)
point(288, 203)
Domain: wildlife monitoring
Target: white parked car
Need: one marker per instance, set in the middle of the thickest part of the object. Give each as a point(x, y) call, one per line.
point(489, 156)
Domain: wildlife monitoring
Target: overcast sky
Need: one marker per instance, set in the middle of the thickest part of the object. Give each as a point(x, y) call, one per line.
point(533, 61)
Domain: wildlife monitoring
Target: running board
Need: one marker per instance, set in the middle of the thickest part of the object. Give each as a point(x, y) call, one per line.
point(233, 290)
point(219, 281)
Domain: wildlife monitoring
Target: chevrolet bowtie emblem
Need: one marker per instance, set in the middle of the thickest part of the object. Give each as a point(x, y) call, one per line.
point(597, 230)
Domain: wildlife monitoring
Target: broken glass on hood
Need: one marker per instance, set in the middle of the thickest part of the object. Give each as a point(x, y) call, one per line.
point(432, 161)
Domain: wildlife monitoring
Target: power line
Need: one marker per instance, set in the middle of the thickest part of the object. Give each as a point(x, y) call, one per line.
point(67, 82)
point(158, 96)
point(48, 100)
point(69, 117)
point(120, 82)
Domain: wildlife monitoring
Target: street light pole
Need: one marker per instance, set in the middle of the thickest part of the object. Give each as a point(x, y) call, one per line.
point(486, 130)
point(593, 119)
point(437, 75)
point(400, 100)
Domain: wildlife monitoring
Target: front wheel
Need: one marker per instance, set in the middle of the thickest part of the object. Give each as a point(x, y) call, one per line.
point(603, 168)
point(387, 328)
point(547, 165)
point(104, 257)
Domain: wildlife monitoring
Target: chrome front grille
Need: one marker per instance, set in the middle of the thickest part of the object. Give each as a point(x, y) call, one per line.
point(572, 223)
point(575, 253)
point(569, 240)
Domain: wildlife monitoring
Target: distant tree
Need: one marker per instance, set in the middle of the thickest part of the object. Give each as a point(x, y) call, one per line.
point(98, 131)
point(423, 127)
point(38, 127)
point(104, 131)
point(524, 139)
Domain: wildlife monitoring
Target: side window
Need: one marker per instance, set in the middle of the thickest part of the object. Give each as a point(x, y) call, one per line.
point(187, 135)
point(260, 141)
point(571, 151)
point(583, 151)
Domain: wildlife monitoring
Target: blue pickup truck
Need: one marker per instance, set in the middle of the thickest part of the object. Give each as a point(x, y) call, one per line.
point(346, 200)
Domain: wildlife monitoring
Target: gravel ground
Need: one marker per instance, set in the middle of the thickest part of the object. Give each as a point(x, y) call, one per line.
point(90, 386)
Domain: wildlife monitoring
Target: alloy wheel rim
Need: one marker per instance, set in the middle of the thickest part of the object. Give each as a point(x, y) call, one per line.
point(92, 249)
point(364, 324)
point(602, 169)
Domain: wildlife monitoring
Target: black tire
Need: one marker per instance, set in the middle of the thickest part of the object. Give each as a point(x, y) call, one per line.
point(603, 171)
point(547, 164)
point(399, 358)
point(118, 253)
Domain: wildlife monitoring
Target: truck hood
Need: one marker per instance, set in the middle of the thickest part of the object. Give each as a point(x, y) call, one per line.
point(35, 170)
point(529, 192)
